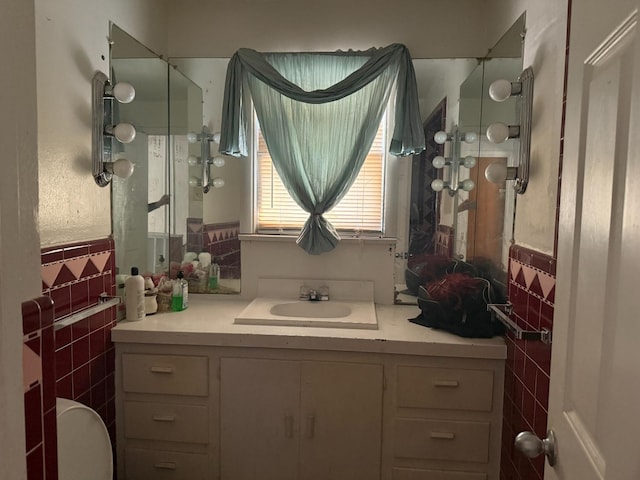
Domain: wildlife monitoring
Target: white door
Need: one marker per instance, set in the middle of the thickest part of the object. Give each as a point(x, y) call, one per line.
point(595, 372)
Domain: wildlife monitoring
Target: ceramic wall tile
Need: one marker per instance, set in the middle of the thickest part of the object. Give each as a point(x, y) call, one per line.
point(531, 291)
point(77, 361)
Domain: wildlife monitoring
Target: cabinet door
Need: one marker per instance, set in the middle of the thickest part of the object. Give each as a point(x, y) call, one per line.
point(259, 402)
point(341, 418)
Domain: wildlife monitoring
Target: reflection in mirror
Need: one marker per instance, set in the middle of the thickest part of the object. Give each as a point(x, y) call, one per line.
point(473, 225)
point(465, 225)
point(157, 216)
point(139, 213)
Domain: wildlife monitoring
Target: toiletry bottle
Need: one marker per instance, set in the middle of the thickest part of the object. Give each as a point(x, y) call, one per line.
point(214, 275)
point(134, 296)
point(180, 295)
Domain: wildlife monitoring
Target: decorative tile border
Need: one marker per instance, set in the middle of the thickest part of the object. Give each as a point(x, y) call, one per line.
point(532, 292)
point(77, 361)
point(222, 242)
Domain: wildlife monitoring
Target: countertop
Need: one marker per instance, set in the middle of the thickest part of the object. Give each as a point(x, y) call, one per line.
point(208, 321)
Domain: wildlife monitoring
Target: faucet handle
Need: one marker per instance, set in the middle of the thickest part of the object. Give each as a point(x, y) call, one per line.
point(323, 293)
point(305, 292)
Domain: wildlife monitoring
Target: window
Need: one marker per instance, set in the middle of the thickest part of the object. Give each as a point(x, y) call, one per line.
point(361, 209)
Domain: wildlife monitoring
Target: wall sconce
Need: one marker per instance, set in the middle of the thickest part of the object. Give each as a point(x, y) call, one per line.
point(104, 130)
point(499, 91)
point(205, 137)
point(453, 183)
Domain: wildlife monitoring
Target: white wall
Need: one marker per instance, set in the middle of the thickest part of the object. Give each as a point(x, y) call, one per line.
point(544, 52)
point(19, 240)
point(352, 259)
point(430, 28)
point(71, 41)
point(49, 51)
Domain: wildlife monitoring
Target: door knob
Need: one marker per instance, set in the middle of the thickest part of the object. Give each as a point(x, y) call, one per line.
point(529, 444)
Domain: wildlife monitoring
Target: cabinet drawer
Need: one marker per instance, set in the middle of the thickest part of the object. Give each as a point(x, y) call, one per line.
point(442, 440)
point(144, 464)
point(419, 474)
point(444, 388)
point(165, 374)
point(167, 422)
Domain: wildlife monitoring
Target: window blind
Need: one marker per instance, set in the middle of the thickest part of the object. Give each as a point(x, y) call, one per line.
point(361, 209)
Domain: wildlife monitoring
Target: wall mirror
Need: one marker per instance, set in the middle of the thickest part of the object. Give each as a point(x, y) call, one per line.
point(150, 209)
point(188, 96)
point(473, 224)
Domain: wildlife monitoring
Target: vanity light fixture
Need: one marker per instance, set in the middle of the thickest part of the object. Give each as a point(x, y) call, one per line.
point(205, 137)
point(499, 91)
point(104, 131)
point(453, 183)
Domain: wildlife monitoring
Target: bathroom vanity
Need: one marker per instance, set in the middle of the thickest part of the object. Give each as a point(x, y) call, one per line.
point(199, 397)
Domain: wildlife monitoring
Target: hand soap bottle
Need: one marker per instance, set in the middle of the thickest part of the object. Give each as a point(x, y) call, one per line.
point(180, 293)
point(214, 275)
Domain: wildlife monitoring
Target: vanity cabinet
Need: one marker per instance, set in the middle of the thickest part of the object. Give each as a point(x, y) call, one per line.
point(304, 420)
point(257, 413)
point(165, 417)
point(446, 419)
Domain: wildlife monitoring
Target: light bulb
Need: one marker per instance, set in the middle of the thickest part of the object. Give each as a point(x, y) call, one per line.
point(194, 182)
point(193, 161)
point(497, 132)
point(216, 137)
point(440, 137)
point(437, 185)
point(192, 137)
point(470, 137)
point(122, 168)
point(468, 185)
point(496, 173)
point(124, 92)
point(218, 161)
point(469, 161)
point(124, 132)
point(439, 162)
point(217, 183)
point(500, 90)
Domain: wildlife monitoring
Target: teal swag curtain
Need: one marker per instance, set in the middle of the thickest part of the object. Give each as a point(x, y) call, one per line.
point(319, 113)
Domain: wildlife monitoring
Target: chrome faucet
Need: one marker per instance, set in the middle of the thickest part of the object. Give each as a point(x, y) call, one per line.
point(312, 294)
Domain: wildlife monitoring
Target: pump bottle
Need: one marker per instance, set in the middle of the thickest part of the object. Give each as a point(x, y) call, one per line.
point(134, 296)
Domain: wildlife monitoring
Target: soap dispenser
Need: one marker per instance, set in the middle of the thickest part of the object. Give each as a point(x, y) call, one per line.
point(180, 293)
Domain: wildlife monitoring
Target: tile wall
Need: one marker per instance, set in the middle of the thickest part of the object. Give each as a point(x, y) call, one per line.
point(76, 361)
point(526, 394)
point(222, 242)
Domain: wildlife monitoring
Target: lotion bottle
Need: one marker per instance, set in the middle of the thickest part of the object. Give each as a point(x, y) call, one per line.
point(134, 296)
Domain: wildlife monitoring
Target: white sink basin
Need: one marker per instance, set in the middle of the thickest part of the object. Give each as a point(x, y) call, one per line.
point(330, 314)
point(311, 310)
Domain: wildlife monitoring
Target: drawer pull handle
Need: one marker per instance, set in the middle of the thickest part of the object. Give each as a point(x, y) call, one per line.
point(165, 466)
point(164, 418)
point(446, 383)
point(162, 369)
point(288, 426)
point(443, 435)
point(311, 426)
